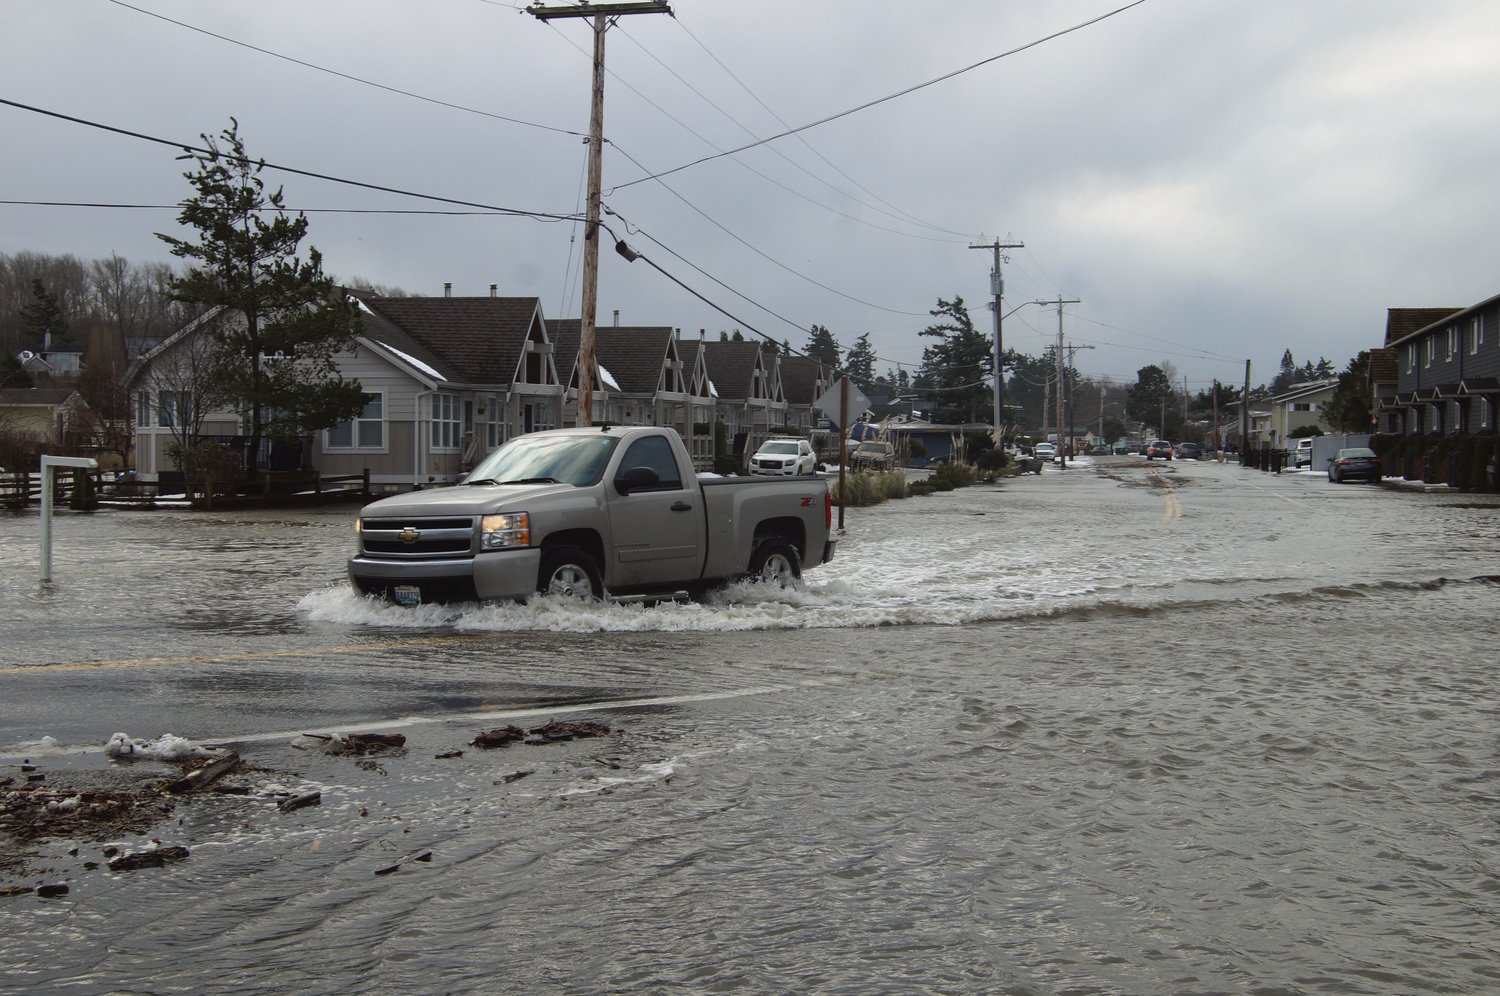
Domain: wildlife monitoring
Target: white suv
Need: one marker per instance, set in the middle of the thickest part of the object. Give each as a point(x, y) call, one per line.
point(1303, 453)
point(784, 457)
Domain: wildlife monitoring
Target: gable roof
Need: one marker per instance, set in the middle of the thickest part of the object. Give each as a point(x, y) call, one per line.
point(1384, 367)
point(799, 378)
point(51, 397)
point(731, 366)
point(634, 355)
point(1301, 390)
point(1402, 322)
point(383, 332)
point(480, 339)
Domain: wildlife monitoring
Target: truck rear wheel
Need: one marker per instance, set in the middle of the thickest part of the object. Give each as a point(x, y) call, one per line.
point(775, 561)
point(568, 571)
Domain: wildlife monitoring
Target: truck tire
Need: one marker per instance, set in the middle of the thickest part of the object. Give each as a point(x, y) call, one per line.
point(568, 571)
point(775, 561)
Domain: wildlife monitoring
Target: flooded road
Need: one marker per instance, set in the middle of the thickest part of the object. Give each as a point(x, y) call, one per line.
point(1124, 728)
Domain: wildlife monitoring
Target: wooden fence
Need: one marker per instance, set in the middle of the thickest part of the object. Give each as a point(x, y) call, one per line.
point(270, 488)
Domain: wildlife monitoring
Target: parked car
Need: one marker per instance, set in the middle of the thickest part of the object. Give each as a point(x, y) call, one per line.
point(1159, 448)
point(873, 455)
point(1354, 463)
point(1189, 451)
point(782, 457)
point(1099, 451)
point(1045, 452)
point(1302, 453)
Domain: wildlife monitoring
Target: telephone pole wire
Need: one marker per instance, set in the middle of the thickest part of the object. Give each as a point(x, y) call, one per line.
point(601, 13)
point(1061, 448)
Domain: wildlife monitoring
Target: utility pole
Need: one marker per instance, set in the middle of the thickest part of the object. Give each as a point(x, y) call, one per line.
point(1071, 351)
point(1245, 418)
point(1061, 449)
point(997, 288)
point(601, 14)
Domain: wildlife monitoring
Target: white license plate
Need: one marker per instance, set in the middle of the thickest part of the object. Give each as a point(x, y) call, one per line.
point(406, 594)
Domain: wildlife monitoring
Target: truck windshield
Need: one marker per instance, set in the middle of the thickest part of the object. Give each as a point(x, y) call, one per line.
point(575, 460)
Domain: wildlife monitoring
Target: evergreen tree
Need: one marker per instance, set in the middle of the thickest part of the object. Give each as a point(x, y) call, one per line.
point(43, 317)
point(1152, 401)
point(281, 319)
point(1349, 408)
point(823, 347)
point(1288, 375)
point(859, 362)
point(959, 364)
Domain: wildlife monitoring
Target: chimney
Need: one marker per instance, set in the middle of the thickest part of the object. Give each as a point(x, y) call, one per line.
point(447, 288)
point(617, 318)
point(494, 290)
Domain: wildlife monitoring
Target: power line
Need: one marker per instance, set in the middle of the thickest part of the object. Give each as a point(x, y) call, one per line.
point(268, 210)
point(881, 100)
point(345, 76)
point(194, 149)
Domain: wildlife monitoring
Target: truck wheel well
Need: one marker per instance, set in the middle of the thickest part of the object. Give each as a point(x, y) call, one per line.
point(585, 539)
point(789, 529)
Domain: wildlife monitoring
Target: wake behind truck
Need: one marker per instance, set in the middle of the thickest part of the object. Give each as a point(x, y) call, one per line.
point(585, 513)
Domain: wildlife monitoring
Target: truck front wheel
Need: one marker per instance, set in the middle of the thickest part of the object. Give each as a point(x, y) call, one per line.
point(775, 561)
point(568, 571)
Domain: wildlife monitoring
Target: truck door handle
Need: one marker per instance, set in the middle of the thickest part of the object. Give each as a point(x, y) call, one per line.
point(682, 506)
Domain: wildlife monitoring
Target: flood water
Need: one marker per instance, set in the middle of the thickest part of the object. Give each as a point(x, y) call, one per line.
point(1117, 729)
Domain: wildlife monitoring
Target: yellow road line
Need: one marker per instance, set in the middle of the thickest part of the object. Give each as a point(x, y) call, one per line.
point(259, 655)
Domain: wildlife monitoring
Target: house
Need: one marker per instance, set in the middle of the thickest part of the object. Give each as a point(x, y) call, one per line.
point(1297, 407)
point(1447, 371)
point(803, 382)
point(749, 399)
point(40, 419)
point(446, 379)
point(59, 360)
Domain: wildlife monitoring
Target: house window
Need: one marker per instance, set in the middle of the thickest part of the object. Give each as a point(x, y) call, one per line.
point(366, 431)
point(1431, 349)
point(1486, 414)
point(447, 428)
point(492, 417)
point(171, 408)
point(1476, 334)
point(1452, 341)
point(143, 409)
point(1411, 357)
point(1302, 406)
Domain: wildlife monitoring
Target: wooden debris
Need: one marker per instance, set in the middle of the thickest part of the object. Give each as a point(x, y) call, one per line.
point(298, 801)
point(514, 776)
point(373, 743)
point(414, 856)
point(559, 732)
point(15, 890)
point(502, 737)
point(206, 775)
point(154, 858)
point(450, 754)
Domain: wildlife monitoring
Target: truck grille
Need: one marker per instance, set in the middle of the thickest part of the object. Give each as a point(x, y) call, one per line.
point(418, 538)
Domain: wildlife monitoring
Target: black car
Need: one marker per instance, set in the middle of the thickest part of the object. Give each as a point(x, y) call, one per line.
point(1356, 463)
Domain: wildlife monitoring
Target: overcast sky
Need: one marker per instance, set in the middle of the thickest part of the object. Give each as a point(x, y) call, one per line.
point(1213, 181)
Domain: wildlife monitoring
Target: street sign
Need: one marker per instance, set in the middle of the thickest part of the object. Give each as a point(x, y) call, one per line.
point(830, 401)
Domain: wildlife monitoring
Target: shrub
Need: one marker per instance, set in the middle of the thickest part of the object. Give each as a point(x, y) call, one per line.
point(953, 475)
point(867, 487)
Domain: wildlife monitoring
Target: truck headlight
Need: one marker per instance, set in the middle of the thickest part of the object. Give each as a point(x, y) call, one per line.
point(501, 532)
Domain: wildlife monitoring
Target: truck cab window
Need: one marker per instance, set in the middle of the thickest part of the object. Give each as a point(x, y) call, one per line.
point(656, 453)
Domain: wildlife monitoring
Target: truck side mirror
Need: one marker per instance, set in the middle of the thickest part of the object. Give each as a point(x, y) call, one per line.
point(636, 479)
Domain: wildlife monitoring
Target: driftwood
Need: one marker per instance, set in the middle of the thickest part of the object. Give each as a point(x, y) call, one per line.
point(155, 858)
point(373, 743)
point(501, 737)
point(206, 775)
point(298, 801)
point(514, 776)
point(414, 856)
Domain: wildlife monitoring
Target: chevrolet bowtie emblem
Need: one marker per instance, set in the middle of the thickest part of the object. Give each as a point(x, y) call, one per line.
point(408, 535)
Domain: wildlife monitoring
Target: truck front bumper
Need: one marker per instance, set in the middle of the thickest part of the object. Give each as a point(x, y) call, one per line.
point(500, 574)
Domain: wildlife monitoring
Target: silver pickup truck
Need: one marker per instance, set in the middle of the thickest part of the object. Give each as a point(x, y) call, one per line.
point(585, 512)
